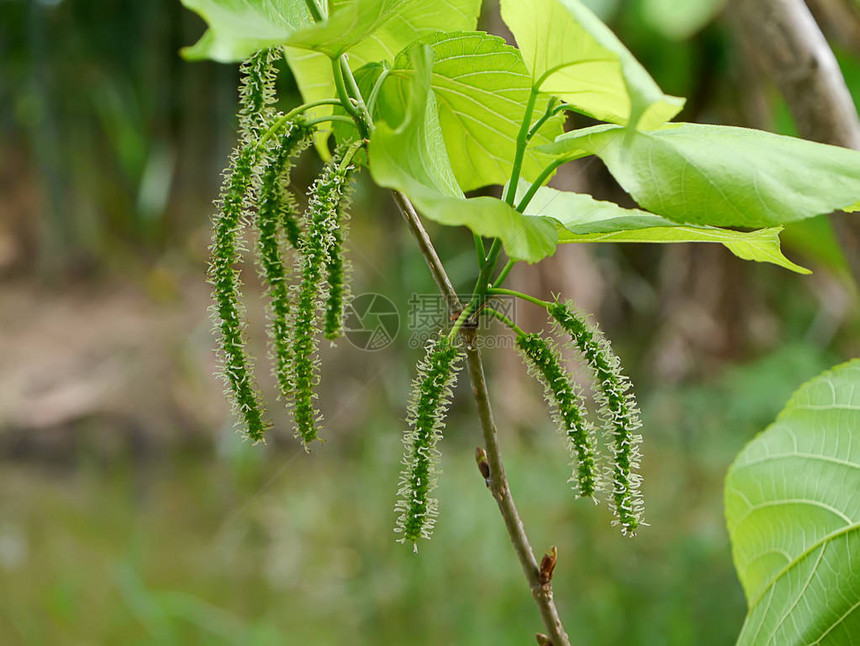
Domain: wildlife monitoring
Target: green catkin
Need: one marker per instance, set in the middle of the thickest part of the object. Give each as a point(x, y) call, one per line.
point(257, 94)
point(431, 397)
point(241, 181)
point(328, 197)
point(227, 312)
point(545, 364)
point(618, 410)
point(337, 268)
point(277, 206)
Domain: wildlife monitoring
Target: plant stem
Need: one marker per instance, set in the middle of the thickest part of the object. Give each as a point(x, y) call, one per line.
point(512, 292)
point(504, 274)
point(550, 111)
point(313, 7)
point(498, 485)
point(545, 173)
point(479, 249)
point(346, 100)
point(504, 319)
point(427, 249)
point(497, 482)
point(522, 142)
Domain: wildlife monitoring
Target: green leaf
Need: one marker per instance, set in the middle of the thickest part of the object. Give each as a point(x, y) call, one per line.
point(581, 218)
point(411, 157)
point(574, 56)
point(793, 513)
point(481, 86)
point(238, 28)
point(854, 208)
point(414, 20)
point(720, 175)
point(373, 29)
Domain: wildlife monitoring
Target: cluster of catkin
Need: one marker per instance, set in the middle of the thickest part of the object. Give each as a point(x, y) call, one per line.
point(307, 301)
point(301, 300)
point(619, 416)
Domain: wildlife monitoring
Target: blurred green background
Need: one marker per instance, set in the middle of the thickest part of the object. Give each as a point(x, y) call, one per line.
point(131, 512)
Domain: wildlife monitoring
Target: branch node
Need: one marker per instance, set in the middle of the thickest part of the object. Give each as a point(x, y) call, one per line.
point(547, 565)
point(483, 464)
point(543, 640)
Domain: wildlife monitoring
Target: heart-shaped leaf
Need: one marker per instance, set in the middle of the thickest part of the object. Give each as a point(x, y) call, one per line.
point(411, 157)
point(793, 511)
point(574, 56)
point(481, 86)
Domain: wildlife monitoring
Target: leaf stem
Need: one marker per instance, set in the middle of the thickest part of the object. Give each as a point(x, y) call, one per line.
point(504, 274)
point(522, 142)
point(499, 291)
point(546, 115)
point(543, 177)
point(332, 117)
point(313, 7)
point(345, 99)
point(374, 93)
point(479, 248)
point(504, 319)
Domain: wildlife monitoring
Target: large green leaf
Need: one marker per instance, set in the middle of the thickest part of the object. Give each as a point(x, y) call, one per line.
point(481, 86)
point(574, 56)
point(238, 28)
point(372, 29)
point(581, 218)
point(411, 157)
point(793, 510)
point(720, 175)
point(312, 70)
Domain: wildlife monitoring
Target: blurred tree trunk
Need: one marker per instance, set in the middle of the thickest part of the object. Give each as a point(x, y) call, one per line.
point(782, 37)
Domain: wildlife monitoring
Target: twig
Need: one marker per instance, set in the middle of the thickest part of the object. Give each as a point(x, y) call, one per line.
point(427, 249)
point(498, 485)
point(495, 476)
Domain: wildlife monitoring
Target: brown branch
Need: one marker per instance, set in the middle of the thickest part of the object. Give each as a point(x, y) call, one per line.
point(498, 485)
point(783, 38)
point(493, 469)
point(427, 249)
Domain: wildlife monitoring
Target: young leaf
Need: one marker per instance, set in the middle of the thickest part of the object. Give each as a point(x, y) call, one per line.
point(793, 515)
point(721, 175)
point(238, 28)
point(581, 218)
point(481, 86)
point(312, 70)
point(574, 56)
point(411, 157)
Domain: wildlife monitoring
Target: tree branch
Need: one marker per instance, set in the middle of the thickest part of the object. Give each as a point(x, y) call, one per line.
point(497, 483)
point(427, 249)
point(783, 37)
point(540, 585)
